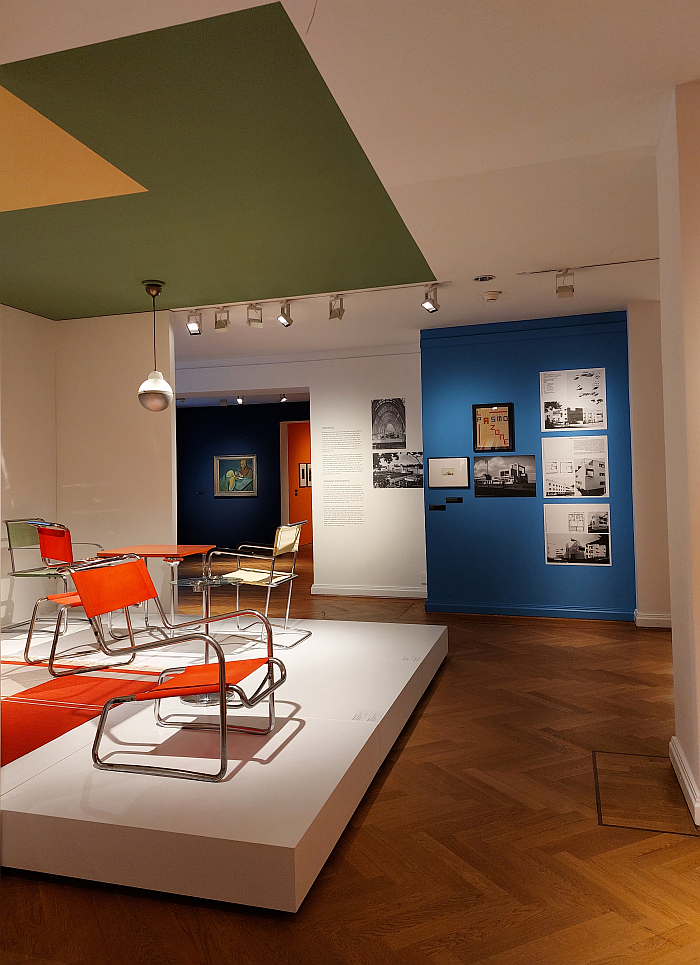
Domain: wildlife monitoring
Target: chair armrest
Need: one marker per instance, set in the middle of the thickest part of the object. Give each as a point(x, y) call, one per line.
point(255, 546)
point(83, 543)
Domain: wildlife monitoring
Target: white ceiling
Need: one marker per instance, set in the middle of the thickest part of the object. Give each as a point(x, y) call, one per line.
point(511, 136)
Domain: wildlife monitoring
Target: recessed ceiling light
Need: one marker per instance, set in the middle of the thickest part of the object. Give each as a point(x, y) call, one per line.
point(484, 278)
point(491, 296)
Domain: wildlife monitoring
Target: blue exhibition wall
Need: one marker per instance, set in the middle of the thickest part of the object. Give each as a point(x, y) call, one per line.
point(488, 555)
point(208, 431)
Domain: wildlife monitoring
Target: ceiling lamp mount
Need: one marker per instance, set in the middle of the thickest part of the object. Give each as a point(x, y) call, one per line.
point(336, 309)
point(155, 394)
point(430, 302)
point(491, 296)
point(285, 317)
point(565, 283)
point(254, 315)
point(222, 319)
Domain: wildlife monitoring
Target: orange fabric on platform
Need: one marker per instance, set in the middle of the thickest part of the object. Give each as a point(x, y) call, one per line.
point(71, 599)
point(55, 543)
point(203, 679)
point(108, 588)
point(39, 715)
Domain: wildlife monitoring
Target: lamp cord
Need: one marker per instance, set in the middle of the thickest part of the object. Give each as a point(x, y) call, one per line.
point(155, 361)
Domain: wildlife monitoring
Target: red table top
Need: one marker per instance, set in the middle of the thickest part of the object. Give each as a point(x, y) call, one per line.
point(159, 550)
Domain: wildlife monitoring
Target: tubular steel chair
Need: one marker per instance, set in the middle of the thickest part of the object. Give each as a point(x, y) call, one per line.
point(22, 535)
point(56, 550)
point(286, 542)
point(117, 584)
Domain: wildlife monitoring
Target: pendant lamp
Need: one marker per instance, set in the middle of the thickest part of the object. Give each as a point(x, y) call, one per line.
point(155, 394)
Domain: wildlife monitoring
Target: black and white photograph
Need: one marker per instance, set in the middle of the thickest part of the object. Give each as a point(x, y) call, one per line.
point(505, 476)
point(397, 470)
point(577, 534)
point(573, 399)
point(388, 423)
point(575, 466)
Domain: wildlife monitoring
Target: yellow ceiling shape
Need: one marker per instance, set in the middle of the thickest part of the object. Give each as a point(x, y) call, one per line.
point(42, 164)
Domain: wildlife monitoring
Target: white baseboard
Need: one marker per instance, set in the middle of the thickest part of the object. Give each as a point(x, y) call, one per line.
point(333, 589)
point(658, 621)
point(685, 779)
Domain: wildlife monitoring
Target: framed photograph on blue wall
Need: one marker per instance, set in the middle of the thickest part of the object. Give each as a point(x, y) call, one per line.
point(235, 476)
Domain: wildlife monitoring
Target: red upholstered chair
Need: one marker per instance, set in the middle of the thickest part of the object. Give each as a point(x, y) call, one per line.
point(56, 549)
point(116, 584)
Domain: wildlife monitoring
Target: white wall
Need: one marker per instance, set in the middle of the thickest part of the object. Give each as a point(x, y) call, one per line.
point(28, 402)
point(648, 465)
point(678, 175)
point(116, 481)
point(385, 554)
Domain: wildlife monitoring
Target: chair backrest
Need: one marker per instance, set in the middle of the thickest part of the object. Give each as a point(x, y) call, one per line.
point(55, 543)
point(287, 539)
point(113, 585)
point(21, 534)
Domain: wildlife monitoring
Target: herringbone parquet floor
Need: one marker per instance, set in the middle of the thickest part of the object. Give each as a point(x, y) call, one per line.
point(478, 841)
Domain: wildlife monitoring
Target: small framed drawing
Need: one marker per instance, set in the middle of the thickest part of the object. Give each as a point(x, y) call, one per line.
point(235, 476)
point(303, 483)
point(494, 427)
point(445, 473)
point(308, 473)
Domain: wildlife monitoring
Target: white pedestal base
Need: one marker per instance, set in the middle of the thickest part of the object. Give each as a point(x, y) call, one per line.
point(262, 835)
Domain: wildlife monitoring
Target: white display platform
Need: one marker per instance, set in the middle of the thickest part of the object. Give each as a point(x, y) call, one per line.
point(261, 836)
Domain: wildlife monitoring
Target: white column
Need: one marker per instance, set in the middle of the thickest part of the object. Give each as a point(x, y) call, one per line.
point(678, 171)
point(648, 465)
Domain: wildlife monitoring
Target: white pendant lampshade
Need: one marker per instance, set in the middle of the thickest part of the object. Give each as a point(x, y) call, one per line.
point(155, 394)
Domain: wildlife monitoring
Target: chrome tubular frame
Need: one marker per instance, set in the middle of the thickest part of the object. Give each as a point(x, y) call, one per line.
point(267, 555)
point(265, 691)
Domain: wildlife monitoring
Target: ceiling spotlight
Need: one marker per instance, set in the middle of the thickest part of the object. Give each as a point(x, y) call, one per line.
point(283, 397)
point(491, 296)
point(155, 394)
point(430, 302)
point(565, 284)
point(239, 399)
point(254, 316)
point(335, 308)
point(194, 323)
point(284, 317)
point(221, 319)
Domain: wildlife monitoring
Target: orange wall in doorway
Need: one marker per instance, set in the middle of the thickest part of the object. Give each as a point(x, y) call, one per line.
point(299, 451)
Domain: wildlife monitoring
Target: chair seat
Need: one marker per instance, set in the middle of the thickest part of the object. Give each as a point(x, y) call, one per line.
point(43, 571)
point(258, 577)
point(203, 679)
point(65, 599)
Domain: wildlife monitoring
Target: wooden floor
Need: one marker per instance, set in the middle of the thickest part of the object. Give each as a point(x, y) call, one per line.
point(478, 841)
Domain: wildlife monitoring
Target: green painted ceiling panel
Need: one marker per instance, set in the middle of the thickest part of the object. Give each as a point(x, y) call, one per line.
point(257, 187)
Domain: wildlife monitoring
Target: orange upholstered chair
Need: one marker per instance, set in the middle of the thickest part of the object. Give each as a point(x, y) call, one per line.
point(116, 584)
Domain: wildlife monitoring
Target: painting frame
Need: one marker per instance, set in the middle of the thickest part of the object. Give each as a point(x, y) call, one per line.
point(303, 468)
point(445, 472)
point(500, 410)
point(238, 476)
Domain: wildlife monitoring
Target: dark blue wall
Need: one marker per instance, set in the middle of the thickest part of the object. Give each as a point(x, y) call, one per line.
point(487, 555)
point(203, 433)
